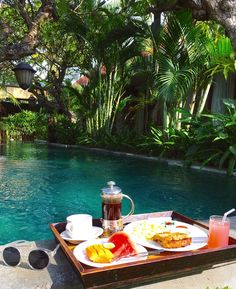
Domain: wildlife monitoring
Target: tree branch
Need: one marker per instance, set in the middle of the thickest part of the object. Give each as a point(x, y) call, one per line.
point(30, 41)
point(24, 14)
point(5, 31)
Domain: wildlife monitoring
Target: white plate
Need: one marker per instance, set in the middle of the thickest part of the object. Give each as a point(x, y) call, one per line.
point(80, 254)
point(96, 232)
point(199, 237)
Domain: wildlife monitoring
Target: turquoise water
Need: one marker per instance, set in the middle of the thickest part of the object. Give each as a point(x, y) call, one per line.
point(40, 185)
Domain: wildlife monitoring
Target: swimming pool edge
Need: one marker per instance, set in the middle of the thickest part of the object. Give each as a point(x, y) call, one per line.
point(169, 162)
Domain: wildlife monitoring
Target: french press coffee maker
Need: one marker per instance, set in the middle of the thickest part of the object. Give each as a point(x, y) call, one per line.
point(112, 220)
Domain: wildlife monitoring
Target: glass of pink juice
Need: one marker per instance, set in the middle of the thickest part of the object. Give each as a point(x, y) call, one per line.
point(218, 232)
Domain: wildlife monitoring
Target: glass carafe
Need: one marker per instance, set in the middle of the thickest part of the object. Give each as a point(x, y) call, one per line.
point(112, 219)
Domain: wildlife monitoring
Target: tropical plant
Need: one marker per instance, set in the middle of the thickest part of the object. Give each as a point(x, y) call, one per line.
point(219, 61)
point(109, 41)
point(26, 125)
point(64, 131)
point(215, 139)
point(168, 142)
point(172, 73)
point(125, 141)
point(188, 55)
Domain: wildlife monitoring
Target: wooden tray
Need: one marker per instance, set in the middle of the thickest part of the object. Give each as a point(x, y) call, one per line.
point(166, 264)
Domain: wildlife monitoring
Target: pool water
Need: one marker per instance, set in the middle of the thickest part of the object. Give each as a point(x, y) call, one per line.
point(40, 184)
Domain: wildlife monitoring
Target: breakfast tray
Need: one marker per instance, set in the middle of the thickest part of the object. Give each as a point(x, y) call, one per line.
point(154, 268)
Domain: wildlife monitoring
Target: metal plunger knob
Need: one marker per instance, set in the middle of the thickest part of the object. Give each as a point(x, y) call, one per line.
point(111, 184)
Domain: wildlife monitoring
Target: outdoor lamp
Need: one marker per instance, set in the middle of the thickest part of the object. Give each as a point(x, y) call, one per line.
point(24, 74)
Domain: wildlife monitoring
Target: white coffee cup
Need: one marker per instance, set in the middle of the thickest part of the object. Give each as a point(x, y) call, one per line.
point(79, 226)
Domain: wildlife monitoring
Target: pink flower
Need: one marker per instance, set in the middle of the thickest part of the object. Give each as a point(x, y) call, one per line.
point(83, 81)
point(103, 70)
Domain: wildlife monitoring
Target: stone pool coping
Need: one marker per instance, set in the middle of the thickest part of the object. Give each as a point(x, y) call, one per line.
point(170, 162)
point(60, 273)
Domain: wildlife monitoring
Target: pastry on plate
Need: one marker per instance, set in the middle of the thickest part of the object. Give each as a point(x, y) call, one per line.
point(172, 240)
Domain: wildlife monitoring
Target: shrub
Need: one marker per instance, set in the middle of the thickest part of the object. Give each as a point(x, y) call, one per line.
point(62, 130)
point(25, 125)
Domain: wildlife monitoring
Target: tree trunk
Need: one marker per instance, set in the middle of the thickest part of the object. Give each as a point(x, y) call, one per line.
point(203, 99)
point(154, 112)
point(139, 121)
point(165, 116)
point(223, 88)
point(192, 101)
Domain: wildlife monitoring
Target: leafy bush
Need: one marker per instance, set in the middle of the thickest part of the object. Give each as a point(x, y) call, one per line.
point(214, 138)
point(126, 141)
point(25, 125)
point(206, 139)
point(62, 130)
point(168, 142)
point(28, 125)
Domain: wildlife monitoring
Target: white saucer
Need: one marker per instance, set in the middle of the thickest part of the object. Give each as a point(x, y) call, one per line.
point(96, 232)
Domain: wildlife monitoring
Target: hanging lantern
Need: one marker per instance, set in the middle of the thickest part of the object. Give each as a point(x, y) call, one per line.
point(24, 74)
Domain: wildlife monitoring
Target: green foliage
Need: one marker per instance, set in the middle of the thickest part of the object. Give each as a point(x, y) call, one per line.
point(222, 56)
point(215, 139)
point(28, 125)
point(25, 124)
point(168, 142)
point(126, 141)
point(123, 141)
point(209, 139)
point(62, 130)
point(85, 139)
point(106, 39)
point(189, 54)
point(178, 57)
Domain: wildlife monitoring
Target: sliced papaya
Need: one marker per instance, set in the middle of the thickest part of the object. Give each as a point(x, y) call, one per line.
point(98, 254)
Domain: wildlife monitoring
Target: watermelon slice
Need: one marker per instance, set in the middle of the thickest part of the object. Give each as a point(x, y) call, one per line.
point(123, 244)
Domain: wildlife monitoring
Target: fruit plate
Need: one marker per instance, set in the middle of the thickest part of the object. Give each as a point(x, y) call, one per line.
point(153, 268)
point(142, 231)
point(80, 254)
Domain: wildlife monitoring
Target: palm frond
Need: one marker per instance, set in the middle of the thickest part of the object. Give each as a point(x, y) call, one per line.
point(173, 81)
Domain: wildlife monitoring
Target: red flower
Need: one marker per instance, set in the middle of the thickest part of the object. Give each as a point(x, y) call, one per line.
point(103, 70)
point(83, 81)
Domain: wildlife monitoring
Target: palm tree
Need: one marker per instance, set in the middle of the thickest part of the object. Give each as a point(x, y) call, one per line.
point(109, 42)
point(188, 57)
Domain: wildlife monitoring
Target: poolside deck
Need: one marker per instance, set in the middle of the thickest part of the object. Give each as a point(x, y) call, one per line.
point(60, 274)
